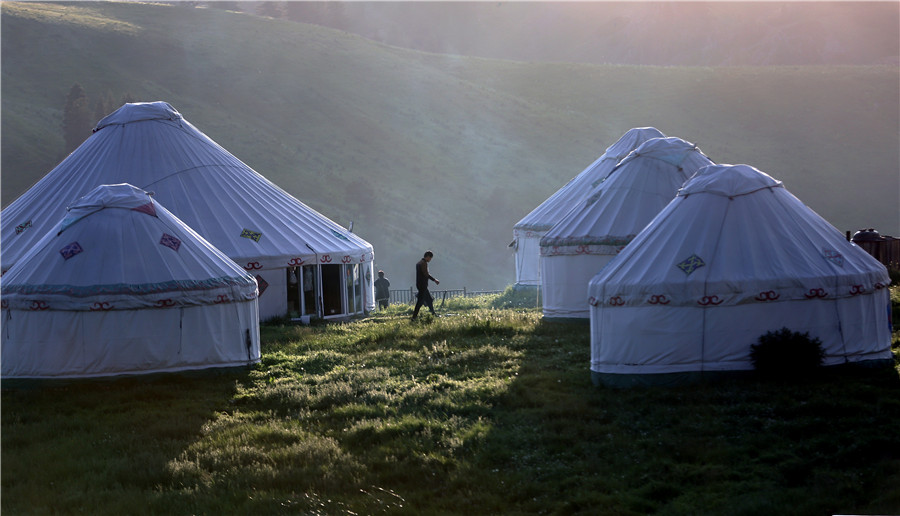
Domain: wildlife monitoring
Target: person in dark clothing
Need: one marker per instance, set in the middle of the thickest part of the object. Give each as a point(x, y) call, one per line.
point(382, 290)
point(422, 277)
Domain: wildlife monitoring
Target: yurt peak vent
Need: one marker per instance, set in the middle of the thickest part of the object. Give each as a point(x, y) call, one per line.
point(118, 196)
point(729, 181)
point(139, 112)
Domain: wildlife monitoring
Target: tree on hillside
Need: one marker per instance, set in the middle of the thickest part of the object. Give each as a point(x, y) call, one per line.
point(76, 123)
point(104, 105)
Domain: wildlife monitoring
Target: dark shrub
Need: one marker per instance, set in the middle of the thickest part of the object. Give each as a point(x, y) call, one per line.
point(787, 354)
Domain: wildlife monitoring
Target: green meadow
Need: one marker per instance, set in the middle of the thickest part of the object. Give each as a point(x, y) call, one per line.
point(486, 409)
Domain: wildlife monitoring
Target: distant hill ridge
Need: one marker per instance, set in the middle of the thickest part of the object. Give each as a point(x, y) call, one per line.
point(637, 33)
point(423, 150)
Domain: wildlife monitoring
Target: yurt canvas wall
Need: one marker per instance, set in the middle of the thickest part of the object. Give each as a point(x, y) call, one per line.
point(254, 222)
point(527, 233)
point(121, 286)
point(733, 257)
point(590, 235)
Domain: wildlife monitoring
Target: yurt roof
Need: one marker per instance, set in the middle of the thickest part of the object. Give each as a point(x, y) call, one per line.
point(151, 145)
point(731, 235)
point(636, 190)
point(549, 212)
point(116, 249)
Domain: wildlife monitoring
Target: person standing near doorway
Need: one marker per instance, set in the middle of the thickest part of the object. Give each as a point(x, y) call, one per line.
point(382, 291)
point(422, 277)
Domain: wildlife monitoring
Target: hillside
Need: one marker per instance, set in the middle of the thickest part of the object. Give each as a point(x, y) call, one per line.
point(434, 151)
point(616, 32)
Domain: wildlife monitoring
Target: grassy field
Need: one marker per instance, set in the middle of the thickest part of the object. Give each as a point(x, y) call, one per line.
point(430, 151)
point(487, 409)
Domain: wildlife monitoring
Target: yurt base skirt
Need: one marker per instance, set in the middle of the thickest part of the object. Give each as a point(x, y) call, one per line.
point(64, 344)
point(660, 344)
point(565, 280)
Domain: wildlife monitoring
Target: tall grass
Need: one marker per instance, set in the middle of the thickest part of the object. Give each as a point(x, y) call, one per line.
point(480, 410)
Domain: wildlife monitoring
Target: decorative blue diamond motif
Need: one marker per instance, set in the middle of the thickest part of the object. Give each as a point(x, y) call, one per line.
point(690, 264)
point(70, 250)
point(834, 257)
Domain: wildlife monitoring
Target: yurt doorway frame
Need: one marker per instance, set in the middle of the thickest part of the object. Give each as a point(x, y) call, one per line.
point(302, 291)
point(327, 291)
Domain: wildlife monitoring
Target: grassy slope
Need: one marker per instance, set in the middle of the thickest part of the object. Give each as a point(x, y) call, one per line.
point(430, 151)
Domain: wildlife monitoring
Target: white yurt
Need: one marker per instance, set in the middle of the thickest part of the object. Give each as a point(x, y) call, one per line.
point(527, 233)
point(594, 232)
point(121, 286)
point(733, 257)
point(306, 264)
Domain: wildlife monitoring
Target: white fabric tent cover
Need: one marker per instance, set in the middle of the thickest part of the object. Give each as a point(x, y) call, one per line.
point(594, 232)
point(121, 286)
point(527, 233)
point(732, 257)
point(150, 145)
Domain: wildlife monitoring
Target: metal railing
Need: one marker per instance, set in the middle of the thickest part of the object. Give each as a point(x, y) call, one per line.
point(409, 296)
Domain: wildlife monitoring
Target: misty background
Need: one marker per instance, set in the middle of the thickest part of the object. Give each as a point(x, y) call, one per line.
point(438, 125)
point(723, 33)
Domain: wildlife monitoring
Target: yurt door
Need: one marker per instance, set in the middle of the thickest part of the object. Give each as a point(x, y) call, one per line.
point(331, 289)
point(293, 292)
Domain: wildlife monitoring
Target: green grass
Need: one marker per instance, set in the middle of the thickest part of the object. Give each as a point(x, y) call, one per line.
point(479, 411)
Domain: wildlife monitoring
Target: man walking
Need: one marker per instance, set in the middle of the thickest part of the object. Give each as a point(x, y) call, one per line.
point(422, 277)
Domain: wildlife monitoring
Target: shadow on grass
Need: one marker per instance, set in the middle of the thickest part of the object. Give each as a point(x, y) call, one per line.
point(738, 445)
point(102, 445)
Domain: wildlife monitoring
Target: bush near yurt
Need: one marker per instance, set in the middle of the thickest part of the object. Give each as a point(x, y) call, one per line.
point(786, 354)
point(518, 297)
